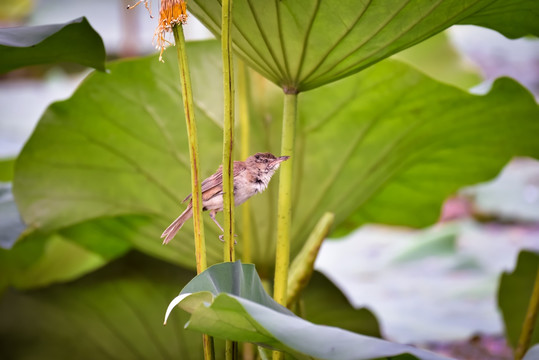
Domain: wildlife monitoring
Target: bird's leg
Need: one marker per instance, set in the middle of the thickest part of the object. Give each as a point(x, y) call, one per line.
point(212, 215)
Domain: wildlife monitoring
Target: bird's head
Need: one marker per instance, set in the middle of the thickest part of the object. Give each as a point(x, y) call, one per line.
point(265, 162)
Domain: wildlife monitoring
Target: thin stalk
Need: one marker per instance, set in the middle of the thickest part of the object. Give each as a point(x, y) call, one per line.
point(249, 350)
point(188, 105)
point(231, 347)
point(228, 133)
point(245, 128)
point(529, 321)
point(302, 267)
point(284, 209)
point(189, 108)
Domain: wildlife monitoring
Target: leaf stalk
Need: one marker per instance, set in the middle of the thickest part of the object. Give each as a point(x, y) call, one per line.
point(302, 267)
point(189, 108)
point(529, 321)
point(228, 131)
point(231, 347)
point(245, 130)
point(284, 207)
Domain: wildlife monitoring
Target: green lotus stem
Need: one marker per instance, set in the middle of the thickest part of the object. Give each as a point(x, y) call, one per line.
point(249, 350)
point(231, 347)
point(529, 321)
point(189, 108)
point(245, 128)
point(207, 345)
point(284, 210)
point(284, 207)
point(302, 267)
point(228, 134)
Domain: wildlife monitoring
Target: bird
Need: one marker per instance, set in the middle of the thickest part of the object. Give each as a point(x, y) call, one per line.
point(251, 177)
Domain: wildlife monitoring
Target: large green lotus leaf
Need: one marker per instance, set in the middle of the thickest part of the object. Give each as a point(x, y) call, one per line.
point(387, 146)
point(228, 301)
point(113, 313)
point(303, 44)
point(513, 19)
point(107, 237)
point(120, 149)
point(394, 144)
point(75, 41)
point(45, 259)
point(39, 259)
point(438, 58)
point(6, 169)
point(514, 294)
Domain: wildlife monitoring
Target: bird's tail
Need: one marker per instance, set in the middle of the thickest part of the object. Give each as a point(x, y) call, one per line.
point(173, 228)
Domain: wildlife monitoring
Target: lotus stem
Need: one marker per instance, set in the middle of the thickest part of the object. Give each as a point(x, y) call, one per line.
point(189, 108)
point(249, 350)
point(228, 133)
point(284, 207)
point(245, 128)
point(231, 347)
point(529, 321)
point(302, 267)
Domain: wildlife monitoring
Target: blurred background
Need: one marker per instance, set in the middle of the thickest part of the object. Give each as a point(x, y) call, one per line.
point(413, 280)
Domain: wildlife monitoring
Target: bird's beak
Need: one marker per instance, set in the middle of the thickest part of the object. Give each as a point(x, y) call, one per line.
point(276, 162)
point(283, 158)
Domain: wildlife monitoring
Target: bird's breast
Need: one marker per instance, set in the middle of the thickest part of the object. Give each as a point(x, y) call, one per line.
point(260, 185)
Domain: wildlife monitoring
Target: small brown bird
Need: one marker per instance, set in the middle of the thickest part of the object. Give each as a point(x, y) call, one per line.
point(250, 177)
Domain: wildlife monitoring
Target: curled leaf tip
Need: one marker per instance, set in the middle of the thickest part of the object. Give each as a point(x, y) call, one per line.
point(172, 304)
point(171, 13)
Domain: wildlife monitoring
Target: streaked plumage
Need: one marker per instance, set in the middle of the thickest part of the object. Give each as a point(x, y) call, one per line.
point(251, 176)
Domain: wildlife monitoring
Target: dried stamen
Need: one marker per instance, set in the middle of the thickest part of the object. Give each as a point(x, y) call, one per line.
point(171, 13)
point(148, 6)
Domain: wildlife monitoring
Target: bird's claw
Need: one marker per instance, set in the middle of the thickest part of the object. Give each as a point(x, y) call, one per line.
point(222, 238)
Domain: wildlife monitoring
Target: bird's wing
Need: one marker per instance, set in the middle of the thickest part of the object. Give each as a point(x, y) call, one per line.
point(213, 185)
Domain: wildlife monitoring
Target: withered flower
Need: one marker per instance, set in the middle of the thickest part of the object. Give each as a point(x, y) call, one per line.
point(171, 13)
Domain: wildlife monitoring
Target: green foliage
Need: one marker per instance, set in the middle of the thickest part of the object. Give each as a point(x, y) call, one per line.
point(105, 171)
point(514, 19)
point(126, 155)
point(438, 58)
point(39, 260)
point(304, 44)
point(115, 312)
point(118, 311)
point(75, 41)
point(387, 145)
point(415, 143)
point(514, 296)
point(6, 169)
point(228, 301)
